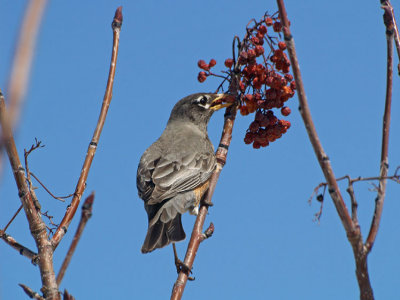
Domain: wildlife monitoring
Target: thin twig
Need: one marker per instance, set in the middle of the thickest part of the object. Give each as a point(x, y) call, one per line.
point(354, 204)
point(86, 214)
point(24, 251)
point(61, 198)
point(395, 177)
point(36, 225)
point(31, 293)
point(80, 187)
point(28, 176)
point(387, 5)
point(12, 219)
point(384, 162)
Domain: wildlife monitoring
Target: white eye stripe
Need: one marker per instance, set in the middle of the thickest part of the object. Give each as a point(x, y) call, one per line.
point(202, 101)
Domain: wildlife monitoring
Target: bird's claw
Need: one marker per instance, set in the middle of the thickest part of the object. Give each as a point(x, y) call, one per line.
point(181, 267)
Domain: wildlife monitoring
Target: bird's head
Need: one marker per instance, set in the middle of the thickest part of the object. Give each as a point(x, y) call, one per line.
point(198, 108)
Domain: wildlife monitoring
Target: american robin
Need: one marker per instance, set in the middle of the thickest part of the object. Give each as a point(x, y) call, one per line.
point(174, 172)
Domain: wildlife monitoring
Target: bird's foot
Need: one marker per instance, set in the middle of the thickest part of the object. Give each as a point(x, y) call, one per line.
point(181, 267)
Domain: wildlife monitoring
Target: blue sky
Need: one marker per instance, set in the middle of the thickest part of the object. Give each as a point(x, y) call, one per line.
point(266, 245)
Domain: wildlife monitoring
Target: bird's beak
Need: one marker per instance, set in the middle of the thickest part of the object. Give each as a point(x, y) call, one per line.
point(222, 100)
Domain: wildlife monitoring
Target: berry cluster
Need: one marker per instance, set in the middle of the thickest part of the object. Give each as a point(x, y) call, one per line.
point(265, 83)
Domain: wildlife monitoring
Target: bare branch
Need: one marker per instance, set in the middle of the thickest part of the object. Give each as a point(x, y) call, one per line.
point(31, 293)
point(20, 71)
point(352, 230)
point(80, 187)
point(390, 18)
point(48, 191)
point(32, 211)
point(86, 214)
point(12, 219)
point(17, 246)
point(384, 164)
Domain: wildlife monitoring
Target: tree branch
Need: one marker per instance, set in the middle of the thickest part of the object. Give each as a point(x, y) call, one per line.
point(21, 249)
point(352, 230)
point(20, 68)
point(27, 196)
point(384, 163)
point(20, 71)
point(31, 293)
point(85, 216)
point(80, 187)
point(391, 18)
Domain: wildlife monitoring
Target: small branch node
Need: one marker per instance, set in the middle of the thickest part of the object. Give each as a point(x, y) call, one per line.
point(208, 232)
point(31, 293)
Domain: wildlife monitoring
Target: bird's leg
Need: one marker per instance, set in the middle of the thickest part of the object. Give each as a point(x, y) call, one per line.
point(180, 266)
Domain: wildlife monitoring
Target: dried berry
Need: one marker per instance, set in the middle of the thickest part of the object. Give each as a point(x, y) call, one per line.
point(268, 21)
point(262, 29)
point(259, 50)
point(228, 62)
point(251, 54)
point(203, 65)
point(202, 76)
point(277, 26)
point(255, 40)
point(249, 138)
point(264, 81)
point(282, 45)
point(285, 111)
point(256, 145)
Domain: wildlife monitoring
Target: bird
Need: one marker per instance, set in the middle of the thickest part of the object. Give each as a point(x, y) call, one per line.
point(174, 172)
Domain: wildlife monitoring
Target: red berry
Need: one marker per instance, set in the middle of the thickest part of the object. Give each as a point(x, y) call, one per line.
point(255, 40)
point(260, 36)
point(244, 111)
point(289, 77)
point(259, 116)
point(262, 29)
point(256, 145)
point(268, 21)
point(254, 126)
point(285, 111)
point(249, 138)
point(228, 62)
point(202, 65)
point(277, 26)
point(259, 50)
point(251, 54)
point(241, 86)
point(212, 63)
point(264, 143)
point(202, 76)
point(282, 45)
point(248, 97)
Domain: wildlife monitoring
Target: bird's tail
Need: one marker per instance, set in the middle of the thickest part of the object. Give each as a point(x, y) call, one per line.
point(161, 234)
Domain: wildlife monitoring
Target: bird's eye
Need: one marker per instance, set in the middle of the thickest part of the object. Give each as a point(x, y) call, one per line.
point(203, 100)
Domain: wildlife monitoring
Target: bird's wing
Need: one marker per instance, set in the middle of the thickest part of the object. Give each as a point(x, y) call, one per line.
point(144, 180)
point(172, 176)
